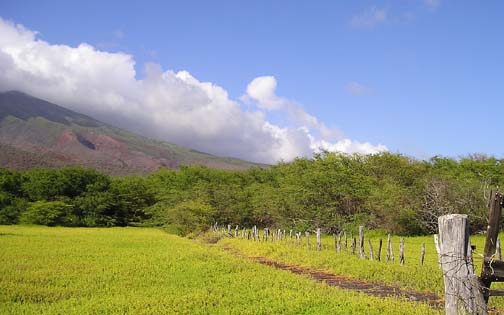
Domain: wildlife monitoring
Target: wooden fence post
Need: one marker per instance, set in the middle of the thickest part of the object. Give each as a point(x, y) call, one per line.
point(338, 244)
point(354, 245)
point(379, 250)
point(335, 242)
point(361, 242)
point(498, 251)
point(401, 252)
point(307, 234)
point(290, 235)
point(319, 242)
point(390, 249)
point(438, 250)
point(495, 204)
point(371, 254)
point(463, 294)
point(346, 241)
point(422, 254)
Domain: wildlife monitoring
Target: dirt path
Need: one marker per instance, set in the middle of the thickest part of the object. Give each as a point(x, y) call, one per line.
point(370, 288)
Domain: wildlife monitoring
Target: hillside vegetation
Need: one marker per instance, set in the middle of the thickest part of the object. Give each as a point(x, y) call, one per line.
point(331, 191)
point(37, 133)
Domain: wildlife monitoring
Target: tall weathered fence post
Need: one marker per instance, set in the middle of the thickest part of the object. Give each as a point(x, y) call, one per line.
point(463, 294)
point(307, 239)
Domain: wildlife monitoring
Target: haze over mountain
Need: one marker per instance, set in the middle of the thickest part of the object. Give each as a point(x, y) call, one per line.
point(37, 133)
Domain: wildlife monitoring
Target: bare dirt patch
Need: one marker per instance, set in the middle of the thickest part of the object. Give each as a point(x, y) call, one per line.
point(371, 288)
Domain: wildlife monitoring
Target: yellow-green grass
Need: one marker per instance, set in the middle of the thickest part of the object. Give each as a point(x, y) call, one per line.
point(412, 275)
point(145, 271)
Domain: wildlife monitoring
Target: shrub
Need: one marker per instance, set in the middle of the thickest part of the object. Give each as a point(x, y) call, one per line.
point(189, 217)
point(49, 213)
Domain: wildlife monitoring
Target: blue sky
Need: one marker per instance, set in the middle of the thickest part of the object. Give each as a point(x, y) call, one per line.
point(419, 77)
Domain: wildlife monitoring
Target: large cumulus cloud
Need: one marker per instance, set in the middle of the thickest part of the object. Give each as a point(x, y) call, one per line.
point(173, 106)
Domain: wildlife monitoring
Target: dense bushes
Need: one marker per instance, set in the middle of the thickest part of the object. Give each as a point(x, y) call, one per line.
point(332, 191)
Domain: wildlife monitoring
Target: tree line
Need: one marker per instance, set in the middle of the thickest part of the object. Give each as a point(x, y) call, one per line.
point(331, 191)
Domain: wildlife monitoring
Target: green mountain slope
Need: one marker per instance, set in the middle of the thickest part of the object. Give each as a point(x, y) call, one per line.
point(37, 133)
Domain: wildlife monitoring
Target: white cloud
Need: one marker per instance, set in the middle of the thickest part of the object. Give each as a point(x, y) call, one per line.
point(369, 18)
point(173, 106)
point(348, 146)
point(262, 90)
point(356, 88)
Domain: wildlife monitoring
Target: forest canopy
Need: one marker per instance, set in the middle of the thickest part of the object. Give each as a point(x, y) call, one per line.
point(331, 191)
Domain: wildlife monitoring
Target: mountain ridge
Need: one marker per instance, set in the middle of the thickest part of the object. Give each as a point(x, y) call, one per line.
point(38, 133)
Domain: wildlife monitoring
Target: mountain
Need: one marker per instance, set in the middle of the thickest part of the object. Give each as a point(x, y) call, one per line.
point(37, 133)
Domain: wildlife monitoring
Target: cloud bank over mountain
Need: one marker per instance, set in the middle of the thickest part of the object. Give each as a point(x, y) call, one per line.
point(173, 106)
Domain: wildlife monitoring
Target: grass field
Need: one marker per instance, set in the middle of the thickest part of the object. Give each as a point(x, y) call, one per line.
point(145, 271)
point(413, 275)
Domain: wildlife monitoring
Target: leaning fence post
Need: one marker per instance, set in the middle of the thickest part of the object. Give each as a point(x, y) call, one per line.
point(494, 218)
point(463, 295)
